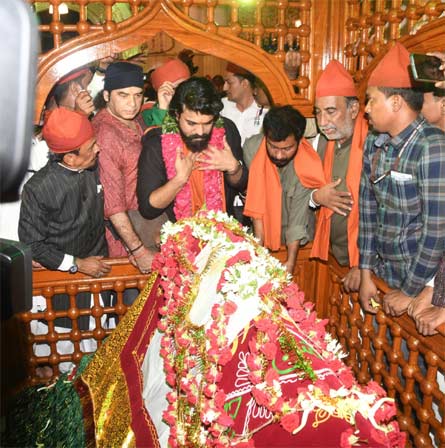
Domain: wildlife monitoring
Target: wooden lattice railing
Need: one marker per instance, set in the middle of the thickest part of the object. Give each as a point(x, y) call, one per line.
point(371, 24)
point(389, 350)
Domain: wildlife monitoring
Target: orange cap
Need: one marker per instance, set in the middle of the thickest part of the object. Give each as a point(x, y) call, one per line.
point(66, 130)
point(170, 71)
point(392, 70)
point(335, 80)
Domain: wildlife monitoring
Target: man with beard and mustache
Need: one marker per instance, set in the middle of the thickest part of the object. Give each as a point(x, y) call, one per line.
point(276, 200)
point(194, 159)
point(119, 130)
point(343, 132)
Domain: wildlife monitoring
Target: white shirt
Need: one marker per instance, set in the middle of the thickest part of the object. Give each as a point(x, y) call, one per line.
point(10, 211)
point(248, 122)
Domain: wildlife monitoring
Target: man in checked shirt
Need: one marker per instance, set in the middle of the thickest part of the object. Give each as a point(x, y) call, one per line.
point(402, 190)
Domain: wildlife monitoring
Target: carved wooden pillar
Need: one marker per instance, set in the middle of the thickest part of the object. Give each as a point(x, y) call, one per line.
point(328, 35)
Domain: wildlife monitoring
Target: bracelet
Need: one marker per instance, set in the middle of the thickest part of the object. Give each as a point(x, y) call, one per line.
point(240, 165)
point(132, 251)
point(312, 198)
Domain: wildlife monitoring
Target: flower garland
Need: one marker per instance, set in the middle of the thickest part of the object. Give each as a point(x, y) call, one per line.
point(212, 179)
point(194, 355)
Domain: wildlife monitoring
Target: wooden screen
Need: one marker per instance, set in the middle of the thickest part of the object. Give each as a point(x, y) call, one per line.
point(372, 24)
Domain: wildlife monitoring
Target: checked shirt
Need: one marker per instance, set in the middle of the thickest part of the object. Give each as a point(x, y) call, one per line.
point(402, 215)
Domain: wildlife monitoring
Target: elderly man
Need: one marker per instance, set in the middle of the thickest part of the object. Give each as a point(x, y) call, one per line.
point(194, 160)
point(343, 132)
point(276, 200)
point(119, 135)
point(402, 192)
point(61, 216)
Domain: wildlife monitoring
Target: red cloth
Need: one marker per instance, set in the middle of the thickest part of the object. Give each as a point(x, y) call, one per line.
point(392, 70)
point(320, 247)
point(131, 359)
point(172, 71)
point(335, 80)
point(264, 190)
point(65, 130)
point(120, 148)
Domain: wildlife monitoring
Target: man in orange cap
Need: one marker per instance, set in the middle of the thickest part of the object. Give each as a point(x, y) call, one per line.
point(343, 132)
point(402, 192)
point(164, 80)
point(61, 216)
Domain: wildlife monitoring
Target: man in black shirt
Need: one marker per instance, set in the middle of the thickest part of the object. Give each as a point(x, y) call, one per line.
point(61, 216)
point(194, 160)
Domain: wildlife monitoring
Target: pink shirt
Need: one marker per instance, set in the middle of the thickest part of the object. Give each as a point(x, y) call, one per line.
point(120, 147)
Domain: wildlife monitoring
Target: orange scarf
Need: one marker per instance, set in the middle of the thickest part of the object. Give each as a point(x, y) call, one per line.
point(264, 190)
point(320, 248)
point(196, 180)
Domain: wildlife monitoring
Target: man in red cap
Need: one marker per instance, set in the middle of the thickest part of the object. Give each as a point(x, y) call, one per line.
point(119, 132)
point(343, 132)
point(71, 92)
point(164, 80)
point(402, 192)
point(61, 216)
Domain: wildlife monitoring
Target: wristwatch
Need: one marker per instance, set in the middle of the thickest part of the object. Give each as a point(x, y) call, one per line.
point(73, 269)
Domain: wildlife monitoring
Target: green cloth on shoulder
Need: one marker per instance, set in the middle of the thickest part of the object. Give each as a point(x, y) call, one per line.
point(153, 116)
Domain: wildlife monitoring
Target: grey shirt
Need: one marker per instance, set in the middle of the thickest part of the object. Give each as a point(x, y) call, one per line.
point(339, 224)
point(297, 218)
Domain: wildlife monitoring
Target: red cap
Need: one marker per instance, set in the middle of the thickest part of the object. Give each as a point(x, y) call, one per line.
point(74, 75)
point(335, 80)
point(66, 130)
point(170, 71)
point(392, 70)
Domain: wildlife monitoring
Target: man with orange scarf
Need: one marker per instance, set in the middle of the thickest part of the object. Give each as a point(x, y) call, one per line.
point(343, 132)
point(276, 199)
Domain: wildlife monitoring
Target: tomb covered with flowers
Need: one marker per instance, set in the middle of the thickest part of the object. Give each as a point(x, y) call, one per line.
point(220, 349)
point(245, 361)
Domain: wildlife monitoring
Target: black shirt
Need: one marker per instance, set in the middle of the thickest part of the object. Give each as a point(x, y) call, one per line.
point(62, 213)
point(152, 174)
